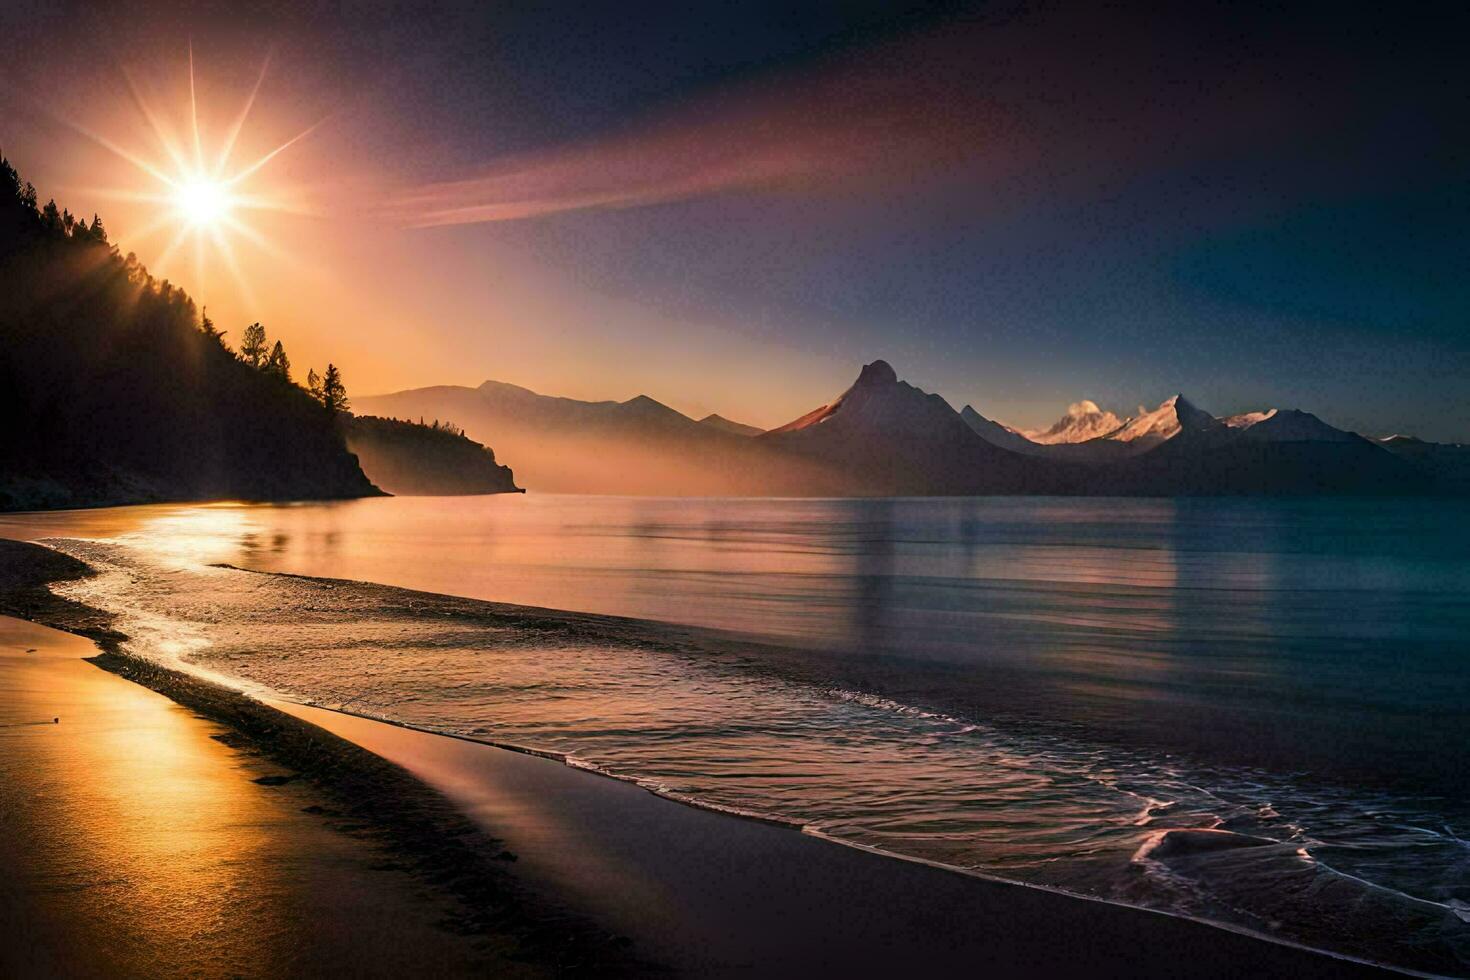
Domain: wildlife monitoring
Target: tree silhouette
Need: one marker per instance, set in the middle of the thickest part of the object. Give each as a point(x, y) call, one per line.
point(206, 325)
point(278, 365)
point(252, 344)
point(334, 392)
point(314, 385)
point(99, 234)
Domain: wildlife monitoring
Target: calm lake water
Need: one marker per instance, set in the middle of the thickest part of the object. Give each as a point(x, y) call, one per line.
point(1252, 711)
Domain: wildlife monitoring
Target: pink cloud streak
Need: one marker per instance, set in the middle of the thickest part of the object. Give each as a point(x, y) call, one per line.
point(852, 120)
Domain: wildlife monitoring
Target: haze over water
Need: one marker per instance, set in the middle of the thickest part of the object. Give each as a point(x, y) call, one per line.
point(1042, 689)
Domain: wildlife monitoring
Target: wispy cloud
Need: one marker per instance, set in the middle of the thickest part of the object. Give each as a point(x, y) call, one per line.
point(852, 119)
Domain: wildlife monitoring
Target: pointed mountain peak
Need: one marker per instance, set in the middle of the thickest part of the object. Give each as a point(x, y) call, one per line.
point(1084, 421)
point(717, 421)
point(492, 386)
point(878, 373)
point(1295, 425)
point(1190, 416)
point(1173, 415)
point(644, 406)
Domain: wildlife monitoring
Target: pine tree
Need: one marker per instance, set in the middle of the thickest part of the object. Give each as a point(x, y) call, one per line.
point(314, 385)
point(252, 345)
point(50, 216)
point(278, 364)
point(334, 392)
point(206, 325)
point(99, 234)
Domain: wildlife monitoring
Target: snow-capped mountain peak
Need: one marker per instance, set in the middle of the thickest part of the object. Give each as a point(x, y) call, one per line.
point(1285, 425)
point(1084, 421)
point(1247, 419)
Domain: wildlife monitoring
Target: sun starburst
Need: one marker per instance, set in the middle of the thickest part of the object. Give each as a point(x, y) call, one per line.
point(199, 196)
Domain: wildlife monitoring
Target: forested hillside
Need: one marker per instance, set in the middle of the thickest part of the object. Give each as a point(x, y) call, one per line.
point(114, 389)
point(425, 460)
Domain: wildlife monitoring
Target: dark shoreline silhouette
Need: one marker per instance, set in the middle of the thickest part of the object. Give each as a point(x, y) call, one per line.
point(413, 459)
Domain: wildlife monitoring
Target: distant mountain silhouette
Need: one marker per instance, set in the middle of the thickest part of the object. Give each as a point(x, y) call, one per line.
point(112, 391)
point(1087, 434)
point(885, 436)
point(725, 425)
point(997, 434)
point(888, 437)
point(1447, 463)
point(1278, 452)
point(1289, 425)
point(407, 458)
point(638, 446)
point(1180, 449)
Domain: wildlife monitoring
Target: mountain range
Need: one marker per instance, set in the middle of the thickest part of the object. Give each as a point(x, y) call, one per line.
point(883, 436)
point(638, 447)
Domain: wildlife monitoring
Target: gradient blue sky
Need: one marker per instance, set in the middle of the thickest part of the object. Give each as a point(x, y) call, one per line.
point(732, 206)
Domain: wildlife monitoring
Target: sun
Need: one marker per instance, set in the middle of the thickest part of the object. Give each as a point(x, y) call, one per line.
point(200, 195)
point(203, 202)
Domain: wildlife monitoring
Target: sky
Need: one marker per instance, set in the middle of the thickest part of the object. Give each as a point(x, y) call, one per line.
point(732, 206)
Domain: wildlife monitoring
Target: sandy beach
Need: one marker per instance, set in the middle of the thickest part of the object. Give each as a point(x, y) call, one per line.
point(140, 842)
point(137, 842)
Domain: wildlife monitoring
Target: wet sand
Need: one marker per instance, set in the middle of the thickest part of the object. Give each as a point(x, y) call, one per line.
point(711, 893)
point(134, 842)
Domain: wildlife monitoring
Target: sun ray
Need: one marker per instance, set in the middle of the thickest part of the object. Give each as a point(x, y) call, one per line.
point(254, 237)
point(166, 256)
point(161, 131)
point(228, 252)
point(234, 133)
point(252, 202)
point(194, 115)
point(132, 158)
point(141, 234)
point(199, 278)
point(272, 154)
point(124, 194)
